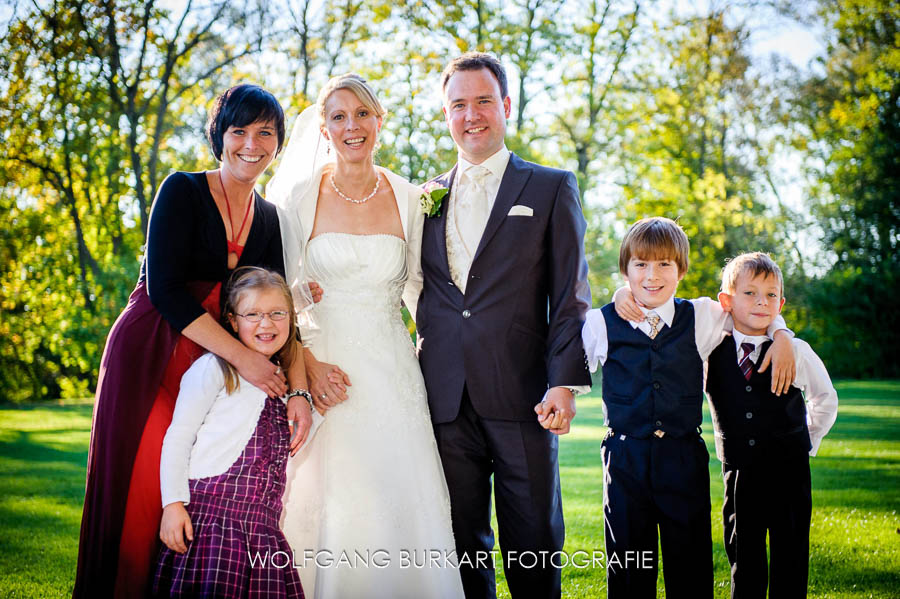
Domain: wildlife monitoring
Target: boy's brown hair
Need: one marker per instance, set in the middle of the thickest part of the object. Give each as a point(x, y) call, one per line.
point(655, 238)
point(752, 263)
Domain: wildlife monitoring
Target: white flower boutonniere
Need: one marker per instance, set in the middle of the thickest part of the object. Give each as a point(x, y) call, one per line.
point(432, 197)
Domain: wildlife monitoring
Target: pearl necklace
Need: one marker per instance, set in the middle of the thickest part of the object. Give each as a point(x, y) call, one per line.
point(362, 201)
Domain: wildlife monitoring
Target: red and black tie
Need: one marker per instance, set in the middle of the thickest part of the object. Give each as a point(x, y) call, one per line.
point(746, 364)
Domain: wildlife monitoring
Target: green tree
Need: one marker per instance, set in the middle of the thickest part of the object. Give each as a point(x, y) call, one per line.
point(849, 128)
point(93, 99)
point(690, 149)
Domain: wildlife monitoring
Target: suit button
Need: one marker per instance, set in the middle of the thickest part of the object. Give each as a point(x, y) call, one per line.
point(749, 415)
point(466, 314)
point(748, 388)
point(751, 442)
point(655, 345)
point(656, 385)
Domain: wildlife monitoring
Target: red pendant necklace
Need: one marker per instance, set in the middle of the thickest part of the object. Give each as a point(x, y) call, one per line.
point(234, 249)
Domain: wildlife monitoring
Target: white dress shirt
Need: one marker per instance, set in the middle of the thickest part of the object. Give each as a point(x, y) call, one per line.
point(459, 256)
point(711, 324)
point(812, 378)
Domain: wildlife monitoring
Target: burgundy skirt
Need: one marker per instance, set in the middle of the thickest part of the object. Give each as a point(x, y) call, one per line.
point(140, 372)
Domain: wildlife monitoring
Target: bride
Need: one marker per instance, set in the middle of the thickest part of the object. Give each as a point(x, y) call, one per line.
point(366, 509)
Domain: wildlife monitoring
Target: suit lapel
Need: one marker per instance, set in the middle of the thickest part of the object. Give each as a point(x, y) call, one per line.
point(438, 223)
point(511, 185)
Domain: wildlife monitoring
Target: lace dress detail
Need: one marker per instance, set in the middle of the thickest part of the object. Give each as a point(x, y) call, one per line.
point(369, 487)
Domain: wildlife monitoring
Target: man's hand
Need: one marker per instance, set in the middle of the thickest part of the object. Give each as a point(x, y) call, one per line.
point(556, 410)
point(300, 420)
point(781, 356)
point(626, 307)
point(175, 526)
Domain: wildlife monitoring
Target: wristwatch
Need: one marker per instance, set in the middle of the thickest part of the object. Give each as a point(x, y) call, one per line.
point(301, 393)
point(573, 391)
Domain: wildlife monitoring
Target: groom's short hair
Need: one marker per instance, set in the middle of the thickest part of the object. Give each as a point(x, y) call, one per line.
point(475, 61)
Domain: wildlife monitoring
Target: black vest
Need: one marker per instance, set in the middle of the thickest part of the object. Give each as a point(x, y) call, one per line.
point(653, 384)
point(748, 418)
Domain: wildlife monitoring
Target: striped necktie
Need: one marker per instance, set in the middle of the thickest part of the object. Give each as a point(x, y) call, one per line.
point(746, 364)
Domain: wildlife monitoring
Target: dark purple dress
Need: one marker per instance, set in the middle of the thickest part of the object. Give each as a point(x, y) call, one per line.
point(238, 549)
point(185, 260)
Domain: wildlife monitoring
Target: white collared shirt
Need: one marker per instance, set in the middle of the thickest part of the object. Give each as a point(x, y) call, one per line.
point(811, 378)
point(711, 324)
point(496, 165)
point(756, 340)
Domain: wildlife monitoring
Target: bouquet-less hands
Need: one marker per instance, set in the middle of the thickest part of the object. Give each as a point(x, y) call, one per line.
point(780, 355)
point(261, 373)
point(327, 382)
point(175, 526)
point(300, 421)
point(556, 410)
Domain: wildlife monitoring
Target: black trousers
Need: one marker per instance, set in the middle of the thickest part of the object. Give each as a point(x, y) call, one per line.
point(655, 485)
point(773, 495)
point(522, 459)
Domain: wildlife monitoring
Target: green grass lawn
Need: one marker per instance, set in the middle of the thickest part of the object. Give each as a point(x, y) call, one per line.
point(854, 541)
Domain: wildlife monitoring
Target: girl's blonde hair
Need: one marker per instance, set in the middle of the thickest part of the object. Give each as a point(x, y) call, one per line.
point(253, 278)
point(355, 84)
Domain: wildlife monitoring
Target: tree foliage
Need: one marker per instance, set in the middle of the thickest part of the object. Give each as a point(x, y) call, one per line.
point(849, 129)
point(657, 114)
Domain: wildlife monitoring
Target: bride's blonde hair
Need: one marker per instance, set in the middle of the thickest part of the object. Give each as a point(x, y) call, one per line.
point(354, 83)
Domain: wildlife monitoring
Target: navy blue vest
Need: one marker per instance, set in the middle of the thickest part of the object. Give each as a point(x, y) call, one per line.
point(653, 384)
point(748, 418)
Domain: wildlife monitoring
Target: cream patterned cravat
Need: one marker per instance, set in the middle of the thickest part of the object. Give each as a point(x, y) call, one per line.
point(653, 321)
point(472, 210)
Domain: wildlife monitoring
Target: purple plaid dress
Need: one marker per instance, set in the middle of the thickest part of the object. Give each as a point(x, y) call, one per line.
point(238, 548)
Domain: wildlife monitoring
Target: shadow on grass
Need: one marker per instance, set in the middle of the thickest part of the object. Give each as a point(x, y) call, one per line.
point(832, 575)
point(23, 446)
point(857, 427)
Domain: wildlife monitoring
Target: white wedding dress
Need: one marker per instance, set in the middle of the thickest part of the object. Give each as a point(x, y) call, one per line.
point(367, 511)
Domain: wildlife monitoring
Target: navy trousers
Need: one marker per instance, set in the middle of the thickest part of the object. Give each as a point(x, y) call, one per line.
point(656, 493)
point(522, 459)
point(771, 496)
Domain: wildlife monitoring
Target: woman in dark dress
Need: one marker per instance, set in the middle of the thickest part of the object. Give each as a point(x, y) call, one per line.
point(202, 226)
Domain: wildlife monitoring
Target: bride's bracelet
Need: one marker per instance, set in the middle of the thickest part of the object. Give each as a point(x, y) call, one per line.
point(302, 393)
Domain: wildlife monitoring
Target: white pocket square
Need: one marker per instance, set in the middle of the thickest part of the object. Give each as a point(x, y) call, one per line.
point(519, 210)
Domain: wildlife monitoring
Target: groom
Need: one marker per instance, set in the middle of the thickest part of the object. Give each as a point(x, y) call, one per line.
point(499, 320)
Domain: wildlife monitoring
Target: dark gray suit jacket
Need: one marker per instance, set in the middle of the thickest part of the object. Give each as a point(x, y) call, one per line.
point(517, 329)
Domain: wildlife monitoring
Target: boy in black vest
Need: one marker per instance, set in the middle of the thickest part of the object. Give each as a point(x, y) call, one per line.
point(655, 462)
point(764, 441)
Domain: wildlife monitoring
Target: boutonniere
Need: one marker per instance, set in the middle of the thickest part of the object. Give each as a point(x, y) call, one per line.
point(432, 197)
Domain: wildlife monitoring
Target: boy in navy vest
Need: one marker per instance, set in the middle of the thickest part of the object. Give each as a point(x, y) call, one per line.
point(655, 463)
point(763, 441)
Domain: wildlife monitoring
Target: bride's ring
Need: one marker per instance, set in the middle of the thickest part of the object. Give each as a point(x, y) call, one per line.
point(278, 370)
point(323, 396)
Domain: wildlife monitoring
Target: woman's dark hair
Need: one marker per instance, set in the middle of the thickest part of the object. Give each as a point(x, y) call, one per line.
point(240, 106)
